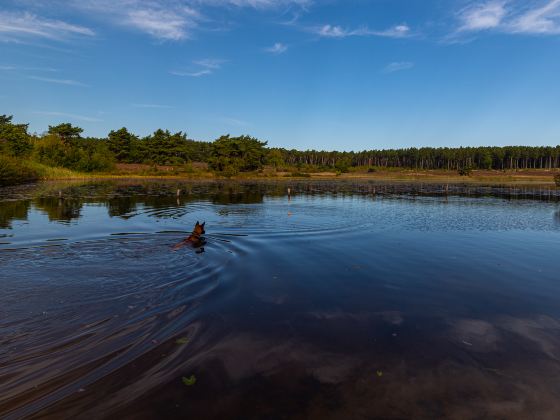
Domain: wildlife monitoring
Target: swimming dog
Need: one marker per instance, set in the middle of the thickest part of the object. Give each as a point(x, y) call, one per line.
point(195, 239)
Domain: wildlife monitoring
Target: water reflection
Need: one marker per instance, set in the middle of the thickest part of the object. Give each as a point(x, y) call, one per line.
point(124, 199)
point(334, 301)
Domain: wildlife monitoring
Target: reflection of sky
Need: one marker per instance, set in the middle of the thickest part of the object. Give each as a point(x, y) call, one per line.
point(456, 294)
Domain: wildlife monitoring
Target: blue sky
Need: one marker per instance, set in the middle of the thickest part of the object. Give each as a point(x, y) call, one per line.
point(324, 74)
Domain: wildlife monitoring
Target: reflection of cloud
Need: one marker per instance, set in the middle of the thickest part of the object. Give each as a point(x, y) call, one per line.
point(475, 334)
point(262, 355)
point(542, 330)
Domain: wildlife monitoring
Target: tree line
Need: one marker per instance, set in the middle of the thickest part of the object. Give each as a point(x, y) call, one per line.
point(64, 146)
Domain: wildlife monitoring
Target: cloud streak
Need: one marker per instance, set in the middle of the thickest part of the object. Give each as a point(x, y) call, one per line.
point(200, 68)
point(154, 106)
point(333, 31)
point(513, 17)
point(67, 115)
point(398, 66)
point(171, 20)
point(16, 26)
point(278, 48)
point(67, 82)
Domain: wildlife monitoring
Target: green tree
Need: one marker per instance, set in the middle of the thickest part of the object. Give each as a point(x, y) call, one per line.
point(66, 132)
point(14, 139)
point(274, 157)
point(122, 143)
point(165, 148)
point(234, 154)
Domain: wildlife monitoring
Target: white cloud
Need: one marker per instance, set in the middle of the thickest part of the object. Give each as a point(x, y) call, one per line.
point(161, 24)
point(69, 116)
point(200, 68)
point(154, 106)
point(277, 48)
point(330, 31)
point(514, 17)
point(483, 16)
point(198, 73)
point(398, 66)
point(210, 63)
point(14, 26)
point(169, 20)
point(58, 81)
point(540, 20)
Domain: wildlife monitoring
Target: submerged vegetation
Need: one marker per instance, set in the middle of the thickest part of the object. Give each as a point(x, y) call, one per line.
point(62, 152)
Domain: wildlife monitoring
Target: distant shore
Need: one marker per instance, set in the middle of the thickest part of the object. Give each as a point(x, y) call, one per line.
point(488, 177)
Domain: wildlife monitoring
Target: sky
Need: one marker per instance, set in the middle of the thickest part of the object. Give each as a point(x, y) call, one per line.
point(303, 74)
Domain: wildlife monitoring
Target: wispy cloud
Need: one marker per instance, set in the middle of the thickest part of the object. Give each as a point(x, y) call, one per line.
point(15, 26)
point(483, 16)
point(200, 68)
point(234, 122)
point(67, 115)
point(190, 73)
point(510, 16)
point(330, 31)
point(398, 66)
point(277, 48)
point(171, 20)
point(68, 82)
point(162, 24)
point(156, 106)
point(44, 69)
point(210, 63)
point(539, 20)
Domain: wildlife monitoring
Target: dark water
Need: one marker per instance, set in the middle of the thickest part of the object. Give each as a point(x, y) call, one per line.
point(344, 301)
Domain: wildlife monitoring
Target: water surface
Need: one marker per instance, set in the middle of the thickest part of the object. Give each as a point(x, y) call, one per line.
point(340, 301)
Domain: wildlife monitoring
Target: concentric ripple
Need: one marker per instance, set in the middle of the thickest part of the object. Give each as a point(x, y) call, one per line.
point(91, 307)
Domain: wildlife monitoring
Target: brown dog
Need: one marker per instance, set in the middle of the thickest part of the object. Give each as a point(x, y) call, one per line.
point(195, 239)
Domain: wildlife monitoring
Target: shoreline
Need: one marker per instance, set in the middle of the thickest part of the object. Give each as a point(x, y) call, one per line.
point(519, 178)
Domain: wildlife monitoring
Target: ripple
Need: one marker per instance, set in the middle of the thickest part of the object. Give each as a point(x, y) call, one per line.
point(115, 298)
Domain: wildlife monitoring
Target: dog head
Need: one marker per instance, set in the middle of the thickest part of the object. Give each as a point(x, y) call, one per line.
point(199, 228)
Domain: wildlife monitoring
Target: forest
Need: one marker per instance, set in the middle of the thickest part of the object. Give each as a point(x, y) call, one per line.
point(25, 156)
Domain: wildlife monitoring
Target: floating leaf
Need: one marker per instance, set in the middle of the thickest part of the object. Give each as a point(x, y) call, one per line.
point(190, 381)
point(182, 340)
point(379, 373)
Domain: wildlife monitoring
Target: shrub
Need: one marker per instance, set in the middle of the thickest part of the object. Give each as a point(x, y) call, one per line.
point(13, 172)
point(465, 171)
point(300, 175)
point(557, 180)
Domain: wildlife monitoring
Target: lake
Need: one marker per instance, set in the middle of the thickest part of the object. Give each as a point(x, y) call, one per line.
point(339, 300)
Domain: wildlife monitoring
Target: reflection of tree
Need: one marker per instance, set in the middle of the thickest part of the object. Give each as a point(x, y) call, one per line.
point(12, 210)
point(121, 206)
point(557, 216)
point(238, 193)
point(60, 209)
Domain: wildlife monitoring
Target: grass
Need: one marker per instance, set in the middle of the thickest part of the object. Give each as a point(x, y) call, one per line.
point(14, 171)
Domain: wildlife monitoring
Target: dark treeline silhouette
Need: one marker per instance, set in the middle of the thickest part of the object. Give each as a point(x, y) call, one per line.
point(499, 158)
point(63, 146)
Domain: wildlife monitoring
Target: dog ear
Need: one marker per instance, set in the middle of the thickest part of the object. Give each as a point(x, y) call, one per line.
point(203, 223)
point(197, 223)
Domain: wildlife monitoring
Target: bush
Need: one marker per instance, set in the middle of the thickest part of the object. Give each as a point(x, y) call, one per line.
point(371, 170)
point(557, 180)
point(300, 175)
point(13, 172)
point(465, 171)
